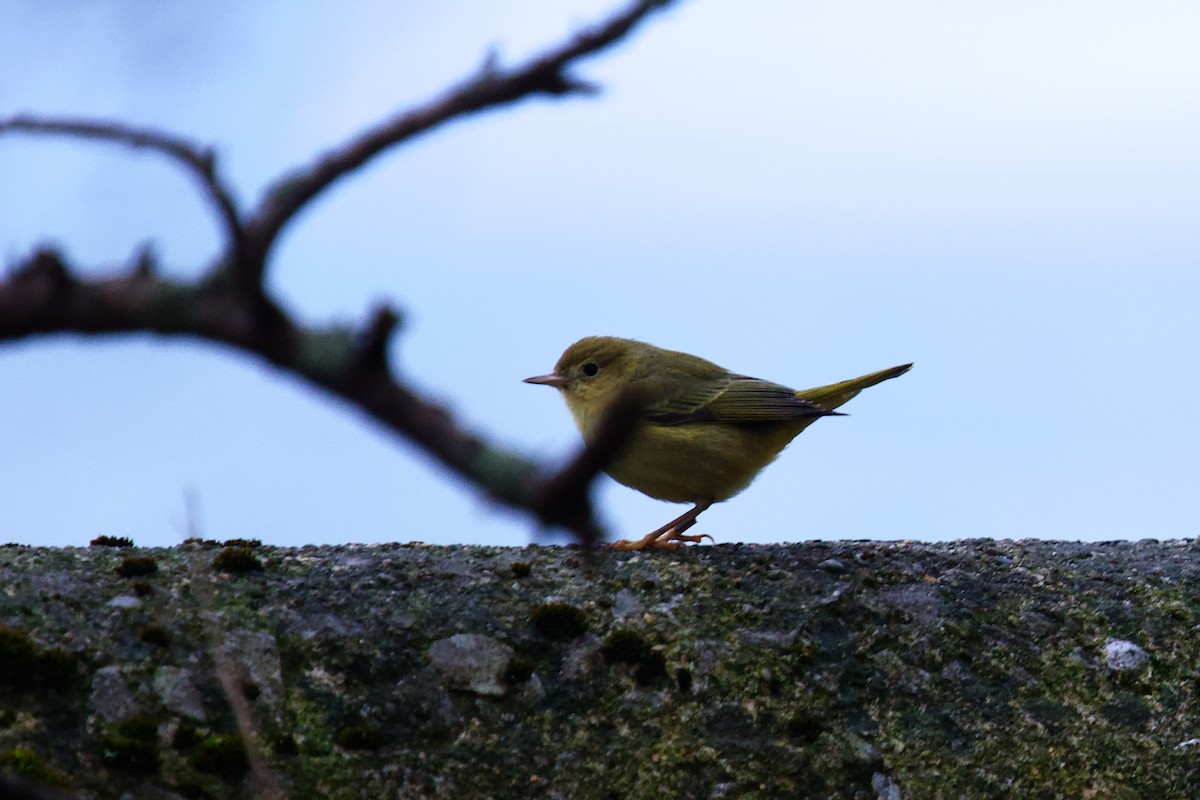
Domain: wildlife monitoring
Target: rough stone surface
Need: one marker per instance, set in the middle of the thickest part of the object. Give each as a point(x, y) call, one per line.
point(858, 670)
point(472, 661)
point(583, 659)
point(111, 699)
point(178, 693)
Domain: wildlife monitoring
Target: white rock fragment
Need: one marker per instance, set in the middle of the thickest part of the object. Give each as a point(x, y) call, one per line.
point(112, 698)
point(178, 692)
point(885, 787)
point(1120, 654)
point(627, 605)
point(583, 660)
point(472, 661)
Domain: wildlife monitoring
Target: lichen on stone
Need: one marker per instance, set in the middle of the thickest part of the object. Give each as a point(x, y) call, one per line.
point(972, 669)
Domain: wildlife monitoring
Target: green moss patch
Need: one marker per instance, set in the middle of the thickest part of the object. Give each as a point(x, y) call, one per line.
point(558, 620)
point(136, 566)
point(237, 559)
point(131, 746)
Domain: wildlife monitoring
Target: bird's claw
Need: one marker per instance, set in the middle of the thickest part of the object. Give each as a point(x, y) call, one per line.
point(670, 542)
point(695, 538)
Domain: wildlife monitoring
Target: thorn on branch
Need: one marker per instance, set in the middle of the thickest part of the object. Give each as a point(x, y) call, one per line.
point(372, 341)
point(145, 263)
point(490, 68)
point(45, 274)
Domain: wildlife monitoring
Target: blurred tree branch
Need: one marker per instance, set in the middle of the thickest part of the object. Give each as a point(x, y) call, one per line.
point(230, 304)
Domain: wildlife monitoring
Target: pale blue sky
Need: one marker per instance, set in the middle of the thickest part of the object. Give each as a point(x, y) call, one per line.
point(1004, 193)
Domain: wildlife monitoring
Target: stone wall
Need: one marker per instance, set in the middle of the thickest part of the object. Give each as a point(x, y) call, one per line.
point(824, 669)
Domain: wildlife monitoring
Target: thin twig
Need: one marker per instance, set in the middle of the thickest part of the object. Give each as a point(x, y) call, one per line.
point(229, 674)
point(197, 160)
point(489, 88)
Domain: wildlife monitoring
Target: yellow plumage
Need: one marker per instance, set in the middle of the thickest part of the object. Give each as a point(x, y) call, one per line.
point(703, 432)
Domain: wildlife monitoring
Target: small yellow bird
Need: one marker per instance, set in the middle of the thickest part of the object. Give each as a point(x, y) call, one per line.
point(703, 432)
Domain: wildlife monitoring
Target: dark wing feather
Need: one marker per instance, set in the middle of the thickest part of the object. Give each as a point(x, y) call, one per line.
point(734, 399)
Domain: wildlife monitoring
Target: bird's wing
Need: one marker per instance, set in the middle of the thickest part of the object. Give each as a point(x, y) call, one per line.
point(733, 399)
point(678, 399)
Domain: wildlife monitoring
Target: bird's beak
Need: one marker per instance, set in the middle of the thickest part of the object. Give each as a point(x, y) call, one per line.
point(553, 379)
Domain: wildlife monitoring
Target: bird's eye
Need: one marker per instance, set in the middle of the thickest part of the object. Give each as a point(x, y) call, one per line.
point(591, 369)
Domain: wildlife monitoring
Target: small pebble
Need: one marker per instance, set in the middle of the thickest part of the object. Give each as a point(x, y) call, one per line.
point(1120, 654)
point(885, 787)
point(472, 661)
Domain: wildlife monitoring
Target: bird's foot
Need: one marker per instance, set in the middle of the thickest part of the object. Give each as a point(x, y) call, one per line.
point(669, 542)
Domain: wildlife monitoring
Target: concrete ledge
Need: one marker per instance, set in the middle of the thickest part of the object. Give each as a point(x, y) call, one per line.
point(825, 669)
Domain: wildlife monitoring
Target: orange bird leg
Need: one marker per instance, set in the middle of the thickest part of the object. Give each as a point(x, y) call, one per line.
point(669, 536)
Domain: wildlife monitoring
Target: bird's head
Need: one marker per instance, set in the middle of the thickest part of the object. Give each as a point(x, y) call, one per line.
point(591, 374)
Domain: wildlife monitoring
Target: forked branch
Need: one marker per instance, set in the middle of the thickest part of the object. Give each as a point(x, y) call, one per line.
point(230, 304)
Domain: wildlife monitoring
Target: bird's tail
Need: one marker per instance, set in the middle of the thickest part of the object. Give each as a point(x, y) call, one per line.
point(835, 394)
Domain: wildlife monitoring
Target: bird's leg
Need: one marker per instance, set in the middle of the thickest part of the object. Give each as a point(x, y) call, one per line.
point(669, 536)
point(675, 537)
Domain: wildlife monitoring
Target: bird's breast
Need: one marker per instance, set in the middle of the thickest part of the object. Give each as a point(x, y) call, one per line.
point(695, 462)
